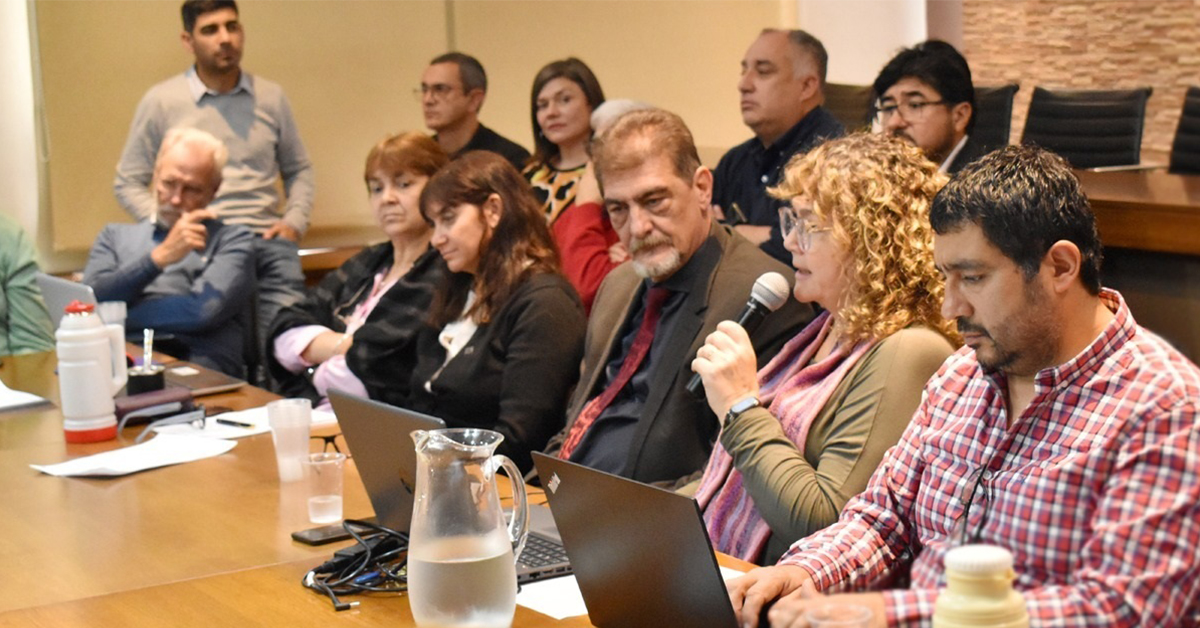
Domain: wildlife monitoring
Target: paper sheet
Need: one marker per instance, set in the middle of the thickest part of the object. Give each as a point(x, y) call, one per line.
point(162, 450)
point(11, 399)
point(560, 597)
point(254, 417)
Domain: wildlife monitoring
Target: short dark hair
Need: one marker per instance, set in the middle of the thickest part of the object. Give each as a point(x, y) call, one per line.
point(809, 45)
point(1025, 199)
point(938, 65)
point(193, 9)
point(575, 71)
point(470, 70)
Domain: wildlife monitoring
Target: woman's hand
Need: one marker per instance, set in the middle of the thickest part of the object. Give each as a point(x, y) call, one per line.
point(727, 365)
point(587, 190)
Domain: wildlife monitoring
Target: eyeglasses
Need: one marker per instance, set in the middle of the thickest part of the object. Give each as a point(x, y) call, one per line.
point(331, 441)
point(909, 110)
point(789, 221)
point(439, 91)
point(978, 489)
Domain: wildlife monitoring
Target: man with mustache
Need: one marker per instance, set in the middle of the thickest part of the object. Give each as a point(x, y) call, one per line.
point(926, 97)
point(253, 118)
point(186, 272)
point(1062, 432)
point(631, 414)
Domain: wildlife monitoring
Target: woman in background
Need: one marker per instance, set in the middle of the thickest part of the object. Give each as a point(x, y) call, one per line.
point(356, 330)
point(805, 434)
point(505, 339)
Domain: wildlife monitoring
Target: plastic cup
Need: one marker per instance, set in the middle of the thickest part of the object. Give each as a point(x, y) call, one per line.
point(835, 615)
point(290, 420)
point(112, 312)
point(324, 476)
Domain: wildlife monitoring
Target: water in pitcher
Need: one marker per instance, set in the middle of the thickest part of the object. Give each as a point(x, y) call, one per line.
point(463, 582)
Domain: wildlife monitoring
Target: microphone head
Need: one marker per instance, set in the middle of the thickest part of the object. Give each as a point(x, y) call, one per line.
point(771, 290)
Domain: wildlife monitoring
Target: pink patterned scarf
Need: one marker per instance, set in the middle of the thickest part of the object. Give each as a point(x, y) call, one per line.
point(795, 392)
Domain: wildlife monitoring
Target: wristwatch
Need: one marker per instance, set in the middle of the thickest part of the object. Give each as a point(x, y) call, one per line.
point(740, 407)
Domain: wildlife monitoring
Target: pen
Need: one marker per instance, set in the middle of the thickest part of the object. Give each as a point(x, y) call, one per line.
point(232, 423)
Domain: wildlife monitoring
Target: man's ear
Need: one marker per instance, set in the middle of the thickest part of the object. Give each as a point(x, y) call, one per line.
point(492, 208)
point(702, 182)
point(960, 116)
point(1064, 262)
point(475, 100)
point(186, 39)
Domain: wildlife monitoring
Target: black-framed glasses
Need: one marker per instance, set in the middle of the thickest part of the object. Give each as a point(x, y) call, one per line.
point(909, 110)
point(439, 90)
point(976, 490)
point(804, 228)
point(335, 442)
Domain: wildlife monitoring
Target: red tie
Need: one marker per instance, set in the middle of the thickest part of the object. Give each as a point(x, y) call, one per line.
point(637, 352)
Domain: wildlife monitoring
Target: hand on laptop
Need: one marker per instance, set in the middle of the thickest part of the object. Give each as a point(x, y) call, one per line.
point(753, 592)
point(186, 235)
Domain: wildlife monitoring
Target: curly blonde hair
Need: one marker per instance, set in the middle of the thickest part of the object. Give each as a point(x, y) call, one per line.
point(875, 191)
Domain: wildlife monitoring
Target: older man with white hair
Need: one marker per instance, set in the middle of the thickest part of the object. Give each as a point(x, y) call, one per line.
point(186, 272)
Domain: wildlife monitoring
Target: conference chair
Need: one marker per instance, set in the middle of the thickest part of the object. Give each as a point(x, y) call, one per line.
point(1185, 150)
point(993, 116)
point(850, 104)
point(1089, 128)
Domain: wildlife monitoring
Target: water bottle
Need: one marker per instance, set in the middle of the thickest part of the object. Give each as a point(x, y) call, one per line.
point(91, 369)
point(979, 591)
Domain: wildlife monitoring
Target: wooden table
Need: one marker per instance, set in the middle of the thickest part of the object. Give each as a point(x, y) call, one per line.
point(1146, 210)
point(205, 543)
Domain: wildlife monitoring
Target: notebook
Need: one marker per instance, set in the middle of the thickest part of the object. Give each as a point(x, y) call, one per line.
point(200, 380)
point(378, 436)
point(58, 294)
point(641, 554)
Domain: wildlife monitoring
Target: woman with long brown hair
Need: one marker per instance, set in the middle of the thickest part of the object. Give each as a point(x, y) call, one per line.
point(505, 339)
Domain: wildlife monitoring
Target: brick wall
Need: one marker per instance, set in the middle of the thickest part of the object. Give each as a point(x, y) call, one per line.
point(1096, 44)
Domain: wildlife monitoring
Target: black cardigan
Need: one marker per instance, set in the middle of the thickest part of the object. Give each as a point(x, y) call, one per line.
point(384, 349)
point(515, 373)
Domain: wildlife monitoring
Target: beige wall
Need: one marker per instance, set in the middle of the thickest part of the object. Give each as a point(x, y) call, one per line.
point(349, 68)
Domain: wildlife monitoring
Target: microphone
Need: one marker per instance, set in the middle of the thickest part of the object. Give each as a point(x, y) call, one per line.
point(769, 293)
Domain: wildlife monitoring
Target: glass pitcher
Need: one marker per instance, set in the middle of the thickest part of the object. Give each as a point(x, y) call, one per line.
point(462, 556)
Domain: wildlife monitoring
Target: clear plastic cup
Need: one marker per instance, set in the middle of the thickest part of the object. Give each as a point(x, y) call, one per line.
point(290, 420)
point(324, 476)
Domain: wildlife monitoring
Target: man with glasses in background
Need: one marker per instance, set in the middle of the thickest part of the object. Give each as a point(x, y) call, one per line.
point(926, 97)
point(1062, 432)
point(452, 92)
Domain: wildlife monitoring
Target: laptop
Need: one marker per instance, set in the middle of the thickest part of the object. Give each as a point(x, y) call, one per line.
point(378, 436)
point(58, 294)
point(641, 554)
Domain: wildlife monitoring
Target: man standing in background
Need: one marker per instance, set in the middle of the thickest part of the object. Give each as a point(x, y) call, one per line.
point(252, 117)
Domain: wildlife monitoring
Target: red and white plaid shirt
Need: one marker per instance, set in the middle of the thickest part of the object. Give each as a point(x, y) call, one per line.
point(1095, 489)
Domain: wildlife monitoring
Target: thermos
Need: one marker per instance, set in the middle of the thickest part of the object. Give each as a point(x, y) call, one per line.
point(91, 369)
point(979, 591)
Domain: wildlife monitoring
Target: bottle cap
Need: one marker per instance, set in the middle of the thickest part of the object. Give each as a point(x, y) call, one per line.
point(79, 307)
point(979, 560)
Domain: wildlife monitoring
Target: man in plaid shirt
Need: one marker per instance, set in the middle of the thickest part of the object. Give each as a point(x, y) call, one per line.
point(1062, 431)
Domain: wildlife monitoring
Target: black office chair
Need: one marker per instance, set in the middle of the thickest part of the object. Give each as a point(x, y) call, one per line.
point(850, 104)
point(1089, 128)
point(1185, 150)
point(993, 116)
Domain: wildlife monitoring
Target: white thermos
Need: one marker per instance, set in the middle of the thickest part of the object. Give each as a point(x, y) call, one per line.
point(91, 369)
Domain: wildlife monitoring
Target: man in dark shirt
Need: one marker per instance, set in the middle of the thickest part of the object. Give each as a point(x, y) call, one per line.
point(782, 87)
point(926, 97)
point(453, 89)
point(634, 416)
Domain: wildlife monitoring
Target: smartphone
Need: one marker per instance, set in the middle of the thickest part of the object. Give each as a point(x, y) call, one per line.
point(321, 535)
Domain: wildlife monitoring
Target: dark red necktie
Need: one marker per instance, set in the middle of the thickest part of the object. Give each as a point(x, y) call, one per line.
point(637, 352)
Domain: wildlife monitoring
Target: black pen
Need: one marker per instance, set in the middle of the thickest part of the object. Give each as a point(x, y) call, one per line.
point(232, 423)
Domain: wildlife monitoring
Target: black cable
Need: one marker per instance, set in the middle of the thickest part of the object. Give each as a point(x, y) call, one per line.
point(377, 563)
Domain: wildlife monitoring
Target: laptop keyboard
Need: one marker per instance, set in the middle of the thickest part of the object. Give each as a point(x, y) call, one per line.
point(540, 552)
